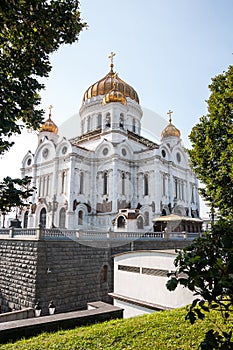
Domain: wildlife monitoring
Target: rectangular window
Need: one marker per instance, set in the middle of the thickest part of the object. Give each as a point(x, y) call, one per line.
point(154, 272)
point(123, 184)
point(146, 185)
point(135, 269)
point(81, 187)
point(192, 195)
point(105, 183)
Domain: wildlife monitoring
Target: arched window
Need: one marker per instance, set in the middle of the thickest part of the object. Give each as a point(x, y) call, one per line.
point(81, 188)
point(105, 183)
point(140, 223)
point(146, 218)
point(164, 213)
point(121, 121)
point(99, 121)
point(134, 126)
point(63, 177)
point(43, 217)
point(121, 222)
point(123, 183)
point(25, 221)
point(88, 123)
point(108, 121)
point(176, 189)
point(104, 273)
point(146, 187)
point(192, 194)
point(80, 217)
point(62, 218)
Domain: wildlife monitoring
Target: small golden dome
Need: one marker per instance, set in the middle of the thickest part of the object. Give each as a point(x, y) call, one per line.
point(114, 96)
point(106, 84)
point(49, 125)
point(170, 129)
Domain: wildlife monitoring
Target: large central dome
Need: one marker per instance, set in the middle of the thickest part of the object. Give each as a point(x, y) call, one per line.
point(107, 83)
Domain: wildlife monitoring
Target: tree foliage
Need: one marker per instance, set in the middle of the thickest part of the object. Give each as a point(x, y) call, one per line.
point(30, 31)
point(212, 145)
point(206, 268)
point(14, 193)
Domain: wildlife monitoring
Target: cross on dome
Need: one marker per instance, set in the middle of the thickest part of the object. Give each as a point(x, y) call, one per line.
point(170, 115)
point(112, 54)
point(105, 85)
point(49, 125)
point(170, 129)
point(50, 110)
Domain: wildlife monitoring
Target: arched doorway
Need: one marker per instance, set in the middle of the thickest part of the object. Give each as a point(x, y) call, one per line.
point(25, 220)
point(140, 223)
point(121, 222)
point(43, 217)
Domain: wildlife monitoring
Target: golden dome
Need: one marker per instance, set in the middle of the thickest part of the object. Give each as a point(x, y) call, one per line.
point(114, 95)
point(49, 125)
point(106, 84)
point(170, 129)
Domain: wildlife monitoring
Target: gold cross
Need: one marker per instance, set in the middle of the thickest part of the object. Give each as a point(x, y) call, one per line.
point(50, 110)
point(112, 54)
point(170, 113)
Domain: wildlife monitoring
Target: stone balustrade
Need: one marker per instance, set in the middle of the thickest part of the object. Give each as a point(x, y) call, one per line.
point(85, 235)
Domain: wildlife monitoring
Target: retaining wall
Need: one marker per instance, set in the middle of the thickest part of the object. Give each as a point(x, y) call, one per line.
point(98, 312)
point(65, 271)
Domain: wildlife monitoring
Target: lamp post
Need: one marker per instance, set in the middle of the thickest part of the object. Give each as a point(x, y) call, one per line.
point(54, 208)
point(52, 308)
point(37, 309)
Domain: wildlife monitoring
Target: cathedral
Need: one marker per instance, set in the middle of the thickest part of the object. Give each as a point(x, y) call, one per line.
point(109, 177)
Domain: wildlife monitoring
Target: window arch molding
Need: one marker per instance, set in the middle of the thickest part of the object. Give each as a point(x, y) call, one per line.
point(62, 217)
point(43, 217)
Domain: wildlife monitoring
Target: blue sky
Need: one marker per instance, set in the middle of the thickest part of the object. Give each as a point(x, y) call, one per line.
point(168, 50)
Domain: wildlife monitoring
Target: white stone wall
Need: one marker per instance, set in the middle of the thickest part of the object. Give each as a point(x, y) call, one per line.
point(147, 288)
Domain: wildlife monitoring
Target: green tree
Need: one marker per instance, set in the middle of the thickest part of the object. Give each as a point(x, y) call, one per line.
point(206, 266)
point(212, 145)
point(30, 30)
point(14, 193)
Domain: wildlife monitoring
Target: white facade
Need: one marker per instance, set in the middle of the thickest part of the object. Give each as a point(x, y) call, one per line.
point(85, 181)
point(140, 283)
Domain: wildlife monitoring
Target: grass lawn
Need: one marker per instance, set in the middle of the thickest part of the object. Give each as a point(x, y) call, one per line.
point(160, 330)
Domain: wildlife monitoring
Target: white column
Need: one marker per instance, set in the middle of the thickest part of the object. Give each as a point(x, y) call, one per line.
point(113, 184)
point(71, 190)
